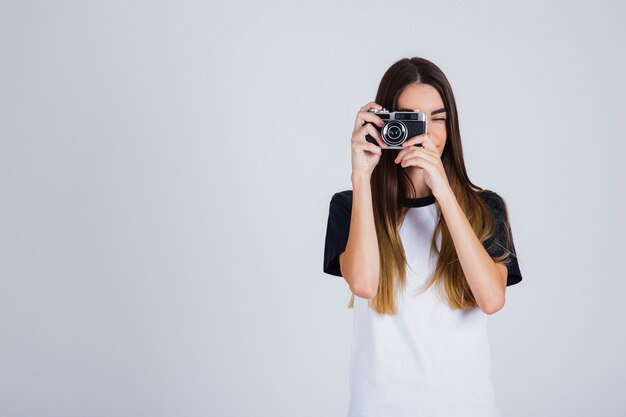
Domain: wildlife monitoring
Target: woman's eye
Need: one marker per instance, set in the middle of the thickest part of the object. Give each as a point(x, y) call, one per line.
point(434, 120)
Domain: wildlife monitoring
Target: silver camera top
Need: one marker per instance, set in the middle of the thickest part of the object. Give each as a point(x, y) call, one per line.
point(384, 110)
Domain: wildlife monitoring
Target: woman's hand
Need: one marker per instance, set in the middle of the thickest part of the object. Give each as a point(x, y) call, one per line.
point(425, 157)
point(365, 155)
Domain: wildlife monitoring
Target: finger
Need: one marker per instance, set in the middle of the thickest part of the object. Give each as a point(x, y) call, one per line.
point(415, 140)
point(364, 116)
point(429, 144)
point(370, 105)
point(415, 160)
point(372, 148)
point(401, 154)
point(367, 147)
point(406, 154)
point(425, 149)
point(368, 128)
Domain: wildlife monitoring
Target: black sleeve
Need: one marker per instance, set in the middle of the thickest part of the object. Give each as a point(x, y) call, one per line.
point(337, 231)
point(496, 246)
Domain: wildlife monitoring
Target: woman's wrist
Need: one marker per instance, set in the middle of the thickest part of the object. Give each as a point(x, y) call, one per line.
point(360, 178)
point(447, 194)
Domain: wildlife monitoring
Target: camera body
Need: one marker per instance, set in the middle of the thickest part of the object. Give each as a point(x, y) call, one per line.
point(399, 127)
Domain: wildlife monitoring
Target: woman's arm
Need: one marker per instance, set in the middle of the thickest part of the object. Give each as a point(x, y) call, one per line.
point(486, 278)
point(360, 263)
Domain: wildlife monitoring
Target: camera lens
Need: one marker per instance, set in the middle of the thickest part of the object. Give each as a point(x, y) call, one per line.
point(394, 133)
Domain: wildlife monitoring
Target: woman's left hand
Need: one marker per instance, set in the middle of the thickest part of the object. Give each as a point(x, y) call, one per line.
point(425, 157)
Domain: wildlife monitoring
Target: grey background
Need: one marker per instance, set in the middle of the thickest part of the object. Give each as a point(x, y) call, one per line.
point(165, 175)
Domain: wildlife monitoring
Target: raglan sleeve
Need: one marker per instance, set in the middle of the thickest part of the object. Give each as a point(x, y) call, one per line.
point(337, 230)
point(496, 245)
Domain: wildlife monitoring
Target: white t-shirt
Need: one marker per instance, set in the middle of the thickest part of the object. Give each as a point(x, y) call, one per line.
point(428, 359)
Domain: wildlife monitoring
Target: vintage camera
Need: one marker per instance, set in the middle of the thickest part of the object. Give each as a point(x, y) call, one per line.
point(399, 127)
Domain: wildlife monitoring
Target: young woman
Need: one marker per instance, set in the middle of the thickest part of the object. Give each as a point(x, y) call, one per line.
point(427, 256)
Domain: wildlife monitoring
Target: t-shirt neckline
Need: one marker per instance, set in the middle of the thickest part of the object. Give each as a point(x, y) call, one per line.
point(418, 201)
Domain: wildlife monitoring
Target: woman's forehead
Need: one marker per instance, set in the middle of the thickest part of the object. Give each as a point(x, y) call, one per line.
point(419, 96)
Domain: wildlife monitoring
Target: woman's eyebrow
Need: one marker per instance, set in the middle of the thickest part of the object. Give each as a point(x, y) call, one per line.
point(441, 110)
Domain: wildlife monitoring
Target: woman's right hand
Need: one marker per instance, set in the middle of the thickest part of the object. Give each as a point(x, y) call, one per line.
point(365, 155)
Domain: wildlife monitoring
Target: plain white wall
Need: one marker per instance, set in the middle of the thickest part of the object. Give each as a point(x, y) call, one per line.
point(165, 175)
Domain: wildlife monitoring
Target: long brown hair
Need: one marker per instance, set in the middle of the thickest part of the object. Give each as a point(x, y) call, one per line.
point(390, 183)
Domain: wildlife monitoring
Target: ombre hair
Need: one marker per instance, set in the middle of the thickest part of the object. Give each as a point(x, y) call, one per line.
point(390, 184)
